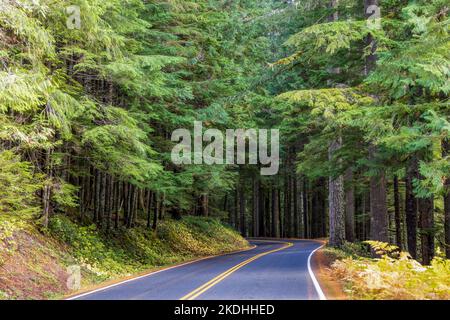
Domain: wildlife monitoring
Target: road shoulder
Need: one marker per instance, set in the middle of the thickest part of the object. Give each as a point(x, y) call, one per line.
point(321, 265)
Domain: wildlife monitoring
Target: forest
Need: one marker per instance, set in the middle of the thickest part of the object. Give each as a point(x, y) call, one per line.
point(91, 92)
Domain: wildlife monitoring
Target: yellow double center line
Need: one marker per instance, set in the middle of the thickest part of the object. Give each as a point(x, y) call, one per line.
point(202, 289)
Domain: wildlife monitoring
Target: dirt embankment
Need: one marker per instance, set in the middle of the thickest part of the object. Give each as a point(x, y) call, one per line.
point(30, 267)
point(321, 264)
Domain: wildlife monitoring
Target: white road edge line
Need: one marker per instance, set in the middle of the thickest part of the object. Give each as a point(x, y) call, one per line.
point(313, 277)
point(151, 274)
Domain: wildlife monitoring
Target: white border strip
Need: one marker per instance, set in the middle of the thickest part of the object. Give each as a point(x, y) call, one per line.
point(313, 277)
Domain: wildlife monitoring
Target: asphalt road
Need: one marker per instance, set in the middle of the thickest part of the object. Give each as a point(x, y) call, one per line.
point(273, 270)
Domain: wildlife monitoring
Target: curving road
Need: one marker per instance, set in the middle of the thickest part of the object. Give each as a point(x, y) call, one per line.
point(273, 270)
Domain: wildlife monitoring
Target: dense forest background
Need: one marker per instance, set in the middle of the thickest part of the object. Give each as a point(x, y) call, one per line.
point(88, 106)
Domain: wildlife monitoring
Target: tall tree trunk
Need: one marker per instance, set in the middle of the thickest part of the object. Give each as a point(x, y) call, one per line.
point(225, 203)
point(336, 202)
point(378, 204)
point(446, 153)
point(305, 209)
point(126, 196)
point(162, 209)
point(97, 199)
point(118, 204)
point(290, 206)
point(262, 212)
point(275, 214)
point(242, 211)
point(426, 214)
point(101, 215)
point(225, 207)
point(204, 205)
point(367, 215)
point(267, 214)
point(81, 195)
point(110, 202)
point(236, 208)
point(132, 201)
point(135, 207)
point(336, 196)
point(378, 209)
point(156, 211)
point(358, 213)
point(255, 208)
point(314, 213)
point(349, 207)
point(362, 217)
point(296, 209)
point(46, 194)
point(411, 206)
point(287, 206)
point(378, 198)
point(322, 209)
point(87, 192)
point(149, 209)
point(229, 211)
point(280, 213)
point(398, 220)
point(426, 220)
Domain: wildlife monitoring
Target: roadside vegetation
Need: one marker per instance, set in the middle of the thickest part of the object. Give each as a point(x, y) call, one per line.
point(393, 275)
point(33, 264)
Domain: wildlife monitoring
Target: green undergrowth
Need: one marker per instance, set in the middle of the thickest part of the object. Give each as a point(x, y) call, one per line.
point(122, 252)
point(394, 275)
point(36, 261)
